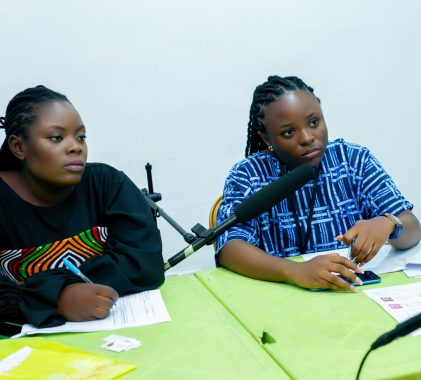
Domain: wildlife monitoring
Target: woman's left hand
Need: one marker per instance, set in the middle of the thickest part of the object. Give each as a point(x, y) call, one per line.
point(366, 237)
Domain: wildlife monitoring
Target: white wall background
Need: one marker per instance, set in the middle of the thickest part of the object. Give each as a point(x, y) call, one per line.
point(170, 82)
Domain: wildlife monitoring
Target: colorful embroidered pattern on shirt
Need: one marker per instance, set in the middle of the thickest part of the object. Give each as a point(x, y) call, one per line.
point(19, 264)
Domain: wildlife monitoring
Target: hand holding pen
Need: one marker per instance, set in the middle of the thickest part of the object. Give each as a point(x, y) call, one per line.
point(85, 301)
point(367, 237)
point(75, 270)
point(349, 252)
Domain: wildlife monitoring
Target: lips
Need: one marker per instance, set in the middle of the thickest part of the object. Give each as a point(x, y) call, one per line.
point(75, 166)
point(311, 153)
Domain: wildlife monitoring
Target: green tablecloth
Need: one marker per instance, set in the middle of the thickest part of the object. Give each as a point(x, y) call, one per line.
point(318, 335)
point(203, 341)
point(226, 326)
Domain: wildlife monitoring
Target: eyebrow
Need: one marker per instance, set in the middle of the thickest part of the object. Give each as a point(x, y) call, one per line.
point(290, 125)
point(284, 126)
point(63, 129)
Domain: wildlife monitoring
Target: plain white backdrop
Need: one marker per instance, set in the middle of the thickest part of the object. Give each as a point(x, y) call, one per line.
point(170, 83)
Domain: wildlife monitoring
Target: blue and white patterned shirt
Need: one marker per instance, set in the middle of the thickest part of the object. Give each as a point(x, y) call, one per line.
point(352, 185)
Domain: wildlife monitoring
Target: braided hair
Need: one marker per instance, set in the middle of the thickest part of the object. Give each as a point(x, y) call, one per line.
point(21, 113)
point(263, 95)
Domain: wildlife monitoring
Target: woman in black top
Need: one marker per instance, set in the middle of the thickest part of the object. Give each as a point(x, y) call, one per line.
point(54, 205)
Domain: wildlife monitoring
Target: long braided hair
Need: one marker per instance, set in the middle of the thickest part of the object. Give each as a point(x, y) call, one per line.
point(263, 95)
point(21, 113)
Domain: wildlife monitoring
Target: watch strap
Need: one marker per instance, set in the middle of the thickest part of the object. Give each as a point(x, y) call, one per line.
point(397, 231)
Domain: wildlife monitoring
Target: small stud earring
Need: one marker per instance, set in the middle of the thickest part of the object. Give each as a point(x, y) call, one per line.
point(271, 148)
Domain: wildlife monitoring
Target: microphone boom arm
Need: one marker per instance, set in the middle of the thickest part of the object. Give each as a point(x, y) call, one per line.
point(255, 205)
point(151, 198)
point(188, 237)
point(207, 238)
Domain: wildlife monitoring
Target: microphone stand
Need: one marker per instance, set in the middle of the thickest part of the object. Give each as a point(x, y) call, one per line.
point(255, 205)
point(155, 197)
point(152, 197)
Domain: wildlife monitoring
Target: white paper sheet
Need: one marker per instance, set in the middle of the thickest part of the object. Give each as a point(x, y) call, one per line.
point(388, 259)
point(401, 302)
point(413, 266)
point(134, 310)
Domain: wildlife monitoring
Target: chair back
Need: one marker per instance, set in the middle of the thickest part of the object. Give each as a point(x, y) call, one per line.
point(214, 212)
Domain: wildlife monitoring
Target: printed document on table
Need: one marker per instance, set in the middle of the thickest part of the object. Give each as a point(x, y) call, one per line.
point(388, 259)
point(401, 302)
point(134, 310)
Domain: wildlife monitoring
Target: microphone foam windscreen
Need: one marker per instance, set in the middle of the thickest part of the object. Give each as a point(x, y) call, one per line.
point(264, 199)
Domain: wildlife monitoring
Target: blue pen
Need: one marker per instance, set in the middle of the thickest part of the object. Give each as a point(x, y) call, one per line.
point(76, 271)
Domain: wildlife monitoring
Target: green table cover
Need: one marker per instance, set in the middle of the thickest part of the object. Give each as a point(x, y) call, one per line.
point(203, 341)
point(318, 335)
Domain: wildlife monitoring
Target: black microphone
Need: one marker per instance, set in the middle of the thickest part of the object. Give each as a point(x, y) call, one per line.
point(401, 329)
point(253, 206)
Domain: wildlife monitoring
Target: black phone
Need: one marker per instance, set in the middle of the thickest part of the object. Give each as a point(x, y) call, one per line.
point(368, 277)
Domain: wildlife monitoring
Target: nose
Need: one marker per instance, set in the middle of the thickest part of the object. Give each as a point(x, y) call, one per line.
point(306, 137)
point(75, 146)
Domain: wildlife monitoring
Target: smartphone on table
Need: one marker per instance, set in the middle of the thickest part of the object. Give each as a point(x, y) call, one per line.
point(368, 277)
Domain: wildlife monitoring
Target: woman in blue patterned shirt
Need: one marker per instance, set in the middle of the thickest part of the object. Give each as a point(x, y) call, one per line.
point(352, 200)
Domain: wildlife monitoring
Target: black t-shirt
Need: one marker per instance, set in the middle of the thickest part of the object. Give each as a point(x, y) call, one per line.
point(105, 226)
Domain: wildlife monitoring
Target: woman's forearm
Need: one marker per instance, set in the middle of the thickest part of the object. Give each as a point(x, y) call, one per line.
point(248, 260)
point(411, 234)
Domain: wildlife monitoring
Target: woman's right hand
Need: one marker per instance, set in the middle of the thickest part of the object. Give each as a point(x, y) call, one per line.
point(85, 302)
point(319, 272)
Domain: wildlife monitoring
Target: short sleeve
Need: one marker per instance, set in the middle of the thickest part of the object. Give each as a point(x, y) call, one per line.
point(378, 193)
point(237, 188)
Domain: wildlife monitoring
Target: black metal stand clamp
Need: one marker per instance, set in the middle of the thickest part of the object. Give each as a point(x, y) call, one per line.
point(152, 197)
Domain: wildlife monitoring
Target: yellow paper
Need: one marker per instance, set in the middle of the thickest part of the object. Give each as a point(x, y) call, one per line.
point(55, 361)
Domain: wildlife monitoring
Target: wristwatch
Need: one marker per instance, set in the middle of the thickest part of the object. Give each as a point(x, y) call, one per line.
point(397, 231)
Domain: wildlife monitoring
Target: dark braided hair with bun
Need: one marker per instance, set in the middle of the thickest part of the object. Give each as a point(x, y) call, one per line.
point(21, 114)
point(263, 95)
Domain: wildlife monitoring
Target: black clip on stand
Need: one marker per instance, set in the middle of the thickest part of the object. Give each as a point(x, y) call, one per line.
point(152, 197)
